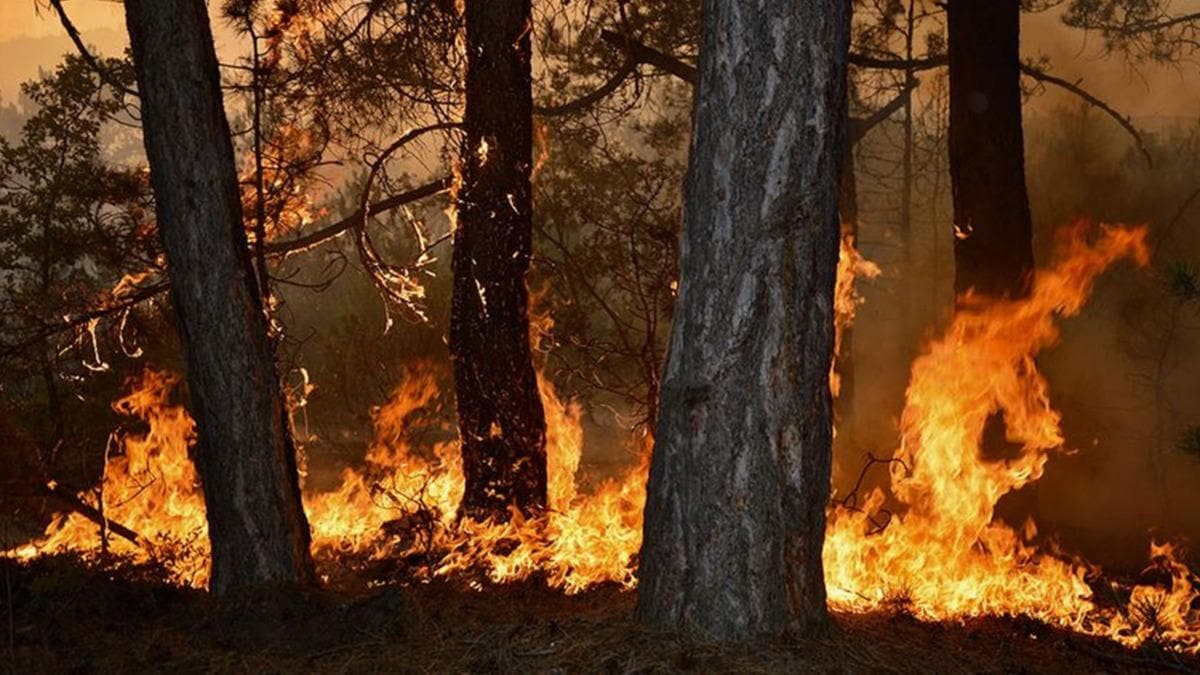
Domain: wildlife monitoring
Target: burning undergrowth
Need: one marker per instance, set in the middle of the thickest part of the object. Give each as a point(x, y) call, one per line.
point(942, 556)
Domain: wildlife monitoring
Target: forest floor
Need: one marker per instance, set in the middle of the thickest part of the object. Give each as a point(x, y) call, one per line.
point(61, 616)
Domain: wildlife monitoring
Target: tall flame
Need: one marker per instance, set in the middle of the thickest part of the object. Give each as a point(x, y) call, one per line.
point(943, 556)
point(149, 486)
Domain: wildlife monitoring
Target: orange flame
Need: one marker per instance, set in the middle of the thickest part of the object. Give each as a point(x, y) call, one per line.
point(846, 299)
point(942, 557)
point(149, 486)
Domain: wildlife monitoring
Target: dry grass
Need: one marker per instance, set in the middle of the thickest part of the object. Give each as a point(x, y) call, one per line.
point(61, 616)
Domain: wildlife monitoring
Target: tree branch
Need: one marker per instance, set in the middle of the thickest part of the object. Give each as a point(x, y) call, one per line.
point(859, 126)
point(314, 239)
point(639, 52)
point(1030, 71)
point(1152, 26)
point(106, 76)
point(1074, 88)
point(915, 65)
point(627, 69)
point(81, 319)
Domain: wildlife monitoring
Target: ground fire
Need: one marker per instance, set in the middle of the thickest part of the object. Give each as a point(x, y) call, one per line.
point(942, 557)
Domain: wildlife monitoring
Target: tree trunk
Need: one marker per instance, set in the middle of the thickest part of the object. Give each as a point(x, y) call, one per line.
point(739, 481)
point(245, 455)
point(993, 250)
point(993, 247)
point(848, 212)
point(500, 416)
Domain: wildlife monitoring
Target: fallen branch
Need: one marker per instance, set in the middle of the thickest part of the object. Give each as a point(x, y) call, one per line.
point(91, 513)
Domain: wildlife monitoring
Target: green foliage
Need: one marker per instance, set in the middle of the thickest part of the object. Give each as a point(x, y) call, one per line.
point(73, 221)
point(1143, 30)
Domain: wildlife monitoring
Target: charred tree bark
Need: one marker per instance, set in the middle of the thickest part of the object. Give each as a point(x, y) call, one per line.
point(848, 212)
point(500, 415)
point(739, 481)
point(245, 455)
point(993, 246)
point(993, 249)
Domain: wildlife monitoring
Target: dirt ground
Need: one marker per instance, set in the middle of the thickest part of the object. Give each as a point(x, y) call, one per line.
point(60, 616)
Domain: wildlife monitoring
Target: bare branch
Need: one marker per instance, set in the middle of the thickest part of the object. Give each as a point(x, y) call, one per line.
point(915, 65)
point(314, 239)
point(1074, 88)
point(642, 53)
point(627, 69)
point(859, 126)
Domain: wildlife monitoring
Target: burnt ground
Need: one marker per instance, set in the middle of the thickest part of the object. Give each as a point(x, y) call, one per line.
point(61, 616)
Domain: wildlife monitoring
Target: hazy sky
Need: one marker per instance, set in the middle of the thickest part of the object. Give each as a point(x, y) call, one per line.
point(29, 41)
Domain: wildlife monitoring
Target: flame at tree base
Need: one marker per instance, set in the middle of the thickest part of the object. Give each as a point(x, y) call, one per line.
point(583, 539)
point(942, 557)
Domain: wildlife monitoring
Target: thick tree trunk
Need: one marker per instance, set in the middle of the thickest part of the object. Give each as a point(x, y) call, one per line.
point(993, 250)
point(245, 454)
point(739, 481)
point(500, 415)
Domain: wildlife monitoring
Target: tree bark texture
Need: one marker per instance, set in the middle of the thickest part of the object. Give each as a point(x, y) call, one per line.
point(245, 454)
point(739, 480)
point(993, 250)
point(500, 416)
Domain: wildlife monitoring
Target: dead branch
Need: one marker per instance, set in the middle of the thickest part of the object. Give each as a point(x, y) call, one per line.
point(314, 239)
point(1074, 88)
point(91, 513)
point(383, 274)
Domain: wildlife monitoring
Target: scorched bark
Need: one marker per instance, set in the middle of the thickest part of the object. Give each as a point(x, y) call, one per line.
point(739, 481)
point(993, 249)
point(500, 416)
point(245, 455)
